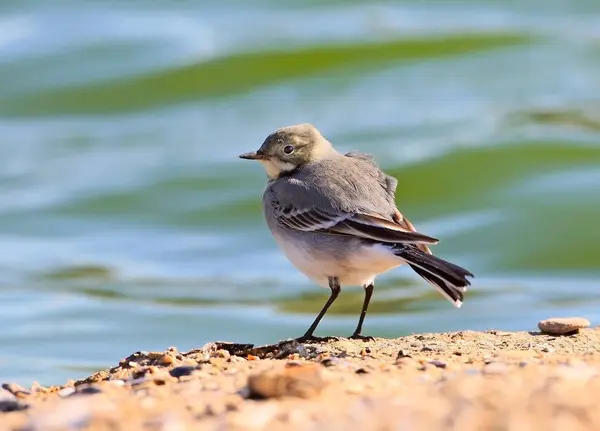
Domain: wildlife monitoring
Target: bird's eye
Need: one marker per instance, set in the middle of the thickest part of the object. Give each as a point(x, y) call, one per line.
point(288, 149)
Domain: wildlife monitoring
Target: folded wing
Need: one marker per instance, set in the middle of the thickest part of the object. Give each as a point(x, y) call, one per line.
point(342, 223)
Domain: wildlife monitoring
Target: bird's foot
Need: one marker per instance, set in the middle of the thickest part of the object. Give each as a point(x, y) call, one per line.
point(357, 336)
point(312, 339)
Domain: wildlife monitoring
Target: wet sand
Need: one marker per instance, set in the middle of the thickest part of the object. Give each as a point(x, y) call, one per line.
point(452, 381)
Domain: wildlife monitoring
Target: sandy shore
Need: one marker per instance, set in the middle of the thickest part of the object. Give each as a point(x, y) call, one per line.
point(455, 381)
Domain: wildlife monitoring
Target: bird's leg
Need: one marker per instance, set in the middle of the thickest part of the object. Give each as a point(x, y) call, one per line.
point(334, 285)
point(357, 332)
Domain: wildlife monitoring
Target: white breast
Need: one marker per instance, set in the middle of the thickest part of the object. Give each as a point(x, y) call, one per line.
point(357, 268)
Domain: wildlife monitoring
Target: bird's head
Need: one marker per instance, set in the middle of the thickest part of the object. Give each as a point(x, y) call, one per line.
point(288, 148)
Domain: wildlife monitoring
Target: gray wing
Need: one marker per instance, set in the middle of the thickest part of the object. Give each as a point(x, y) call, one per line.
point(349, 202)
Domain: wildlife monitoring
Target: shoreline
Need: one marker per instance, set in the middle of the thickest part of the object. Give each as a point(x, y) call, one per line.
point(457, 380)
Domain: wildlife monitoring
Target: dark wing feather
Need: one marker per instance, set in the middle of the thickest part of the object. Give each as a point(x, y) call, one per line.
point(359, 225)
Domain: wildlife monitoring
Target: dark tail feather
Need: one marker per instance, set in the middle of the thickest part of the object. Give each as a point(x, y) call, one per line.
point(451, 280)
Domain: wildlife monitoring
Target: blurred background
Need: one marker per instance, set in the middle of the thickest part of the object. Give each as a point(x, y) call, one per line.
point(128, 223)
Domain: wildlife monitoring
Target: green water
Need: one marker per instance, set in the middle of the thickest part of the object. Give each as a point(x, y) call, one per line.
point(127, 222)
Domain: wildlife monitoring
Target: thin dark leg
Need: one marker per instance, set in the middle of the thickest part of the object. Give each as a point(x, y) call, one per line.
point(334, 285)
point(363, 313)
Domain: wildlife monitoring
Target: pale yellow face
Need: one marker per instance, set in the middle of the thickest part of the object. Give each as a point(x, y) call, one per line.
point(275, 168)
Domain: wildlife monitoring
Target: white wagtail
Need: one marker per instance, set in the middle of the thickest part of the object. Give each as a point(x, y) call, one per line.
point(335, 218)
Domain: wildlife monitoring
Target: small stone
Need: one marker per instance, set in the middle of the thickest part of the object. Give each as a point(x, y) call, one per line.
point(253, 358)
point(403, 354)
point(86, 390)
point(438, 364)
point(166, 360)
point(184, 370)
point(329, 362)
point(563, 325)
point(12, 406)
point(65, 392)
point(303, 381)
point(10, 403)
point(16, 390)
point(427, 349)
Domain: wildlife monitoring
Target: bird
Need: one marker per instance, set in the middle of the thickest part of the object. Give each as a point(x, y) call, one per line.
point(334, 217)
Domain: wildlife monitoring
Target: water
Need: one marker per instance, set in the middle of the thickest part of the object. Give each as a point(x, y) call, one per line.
point(128, 223)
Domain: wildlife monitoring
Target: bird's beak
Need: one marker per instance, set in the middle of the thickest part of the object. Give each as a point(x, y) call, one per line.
point(253, 156)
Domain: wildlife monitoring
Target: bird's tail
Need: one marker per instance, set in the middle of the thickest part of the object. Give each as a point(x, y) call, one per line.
point(450, 279)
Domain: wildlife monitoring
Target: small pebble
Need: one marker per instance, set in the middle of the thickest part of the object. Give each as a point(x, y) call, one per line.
point(65, 392)
point(438, 364)
point(403, 354)
point(184, 370)
point(87, 390)
point(563, 325)
point(166, 360)
point(10, 403)
point(16, 390)
point(12, 406)
point(304, 382)
point(329, 362)
point(427, 349)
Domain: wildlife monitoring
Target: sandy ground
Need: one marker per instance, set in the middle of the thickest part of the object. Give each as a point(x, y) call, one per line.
point(454, 381)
